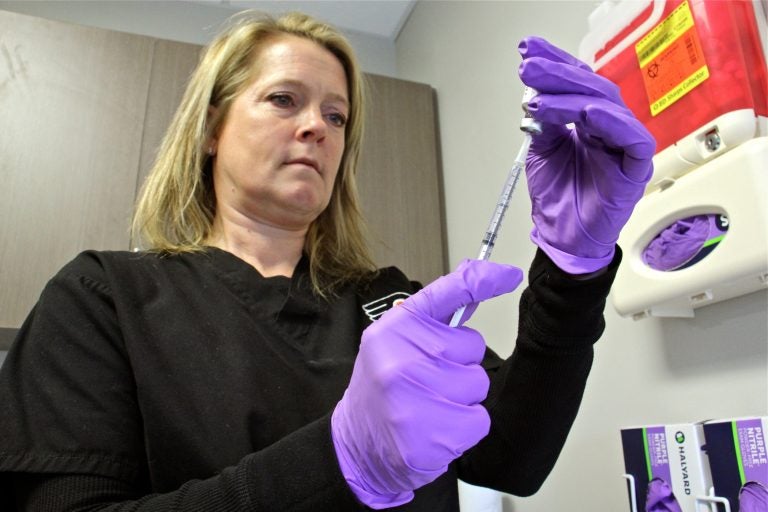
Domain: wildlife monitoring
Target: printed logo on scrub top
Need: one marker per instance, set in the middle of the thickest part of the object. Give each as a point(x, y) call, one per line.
point(378, 307)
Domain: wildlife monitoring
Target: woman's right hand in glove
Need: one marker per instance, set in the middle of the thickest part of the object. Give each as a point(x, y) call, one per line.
point(413, 402)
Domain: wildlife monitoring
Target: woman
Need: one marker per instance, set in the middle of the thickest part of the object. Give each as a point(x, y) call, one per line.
point(232, 366)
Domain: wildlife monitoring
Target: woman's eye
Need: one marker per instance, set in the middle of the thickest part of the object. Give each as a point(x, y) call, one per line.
point(281, 100)
point(337, 119)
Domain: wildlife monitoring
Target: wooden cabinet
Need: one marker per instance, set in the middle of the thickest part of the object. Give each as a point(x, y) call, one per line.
point(172, 65)
point(82, 111)
point(399, 178)
point(72, 110)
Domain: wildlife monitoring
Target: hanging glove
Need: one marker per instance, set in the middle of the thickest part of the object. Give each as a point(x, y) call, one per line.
point(413, 402)
point(660, 497)
point(753, 497)
point(678, 244)
point(584, 179)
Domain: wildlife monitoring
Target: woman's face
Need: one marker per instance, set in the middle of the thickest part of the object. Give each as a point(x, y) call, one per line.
point(280, 146)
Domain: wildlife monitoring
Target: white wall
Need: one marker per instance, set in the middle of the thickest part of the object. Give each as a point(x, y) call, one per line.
point(651, 371)
point(188, 22)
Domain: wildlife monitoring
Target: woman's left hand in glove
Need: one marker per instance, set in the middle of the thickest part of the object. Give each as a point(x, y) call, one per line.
point(585, 178)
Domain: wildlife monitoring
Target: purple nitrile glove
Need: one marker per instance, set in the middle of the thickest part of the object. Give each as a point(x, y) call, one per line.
point(682, 241)
point(660, 497)
point(677, 243)
point(413, 402)
point(753, 497)
point(585, 179)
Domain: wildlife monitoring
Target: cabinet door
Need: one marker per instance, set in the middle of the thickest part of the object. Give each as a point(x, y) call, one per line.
point(400, 179)
point(172, 66)
point(72, 106)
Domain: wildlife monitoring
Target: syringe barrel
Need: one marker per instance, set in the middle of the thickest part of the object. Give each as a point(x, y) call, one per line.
point(531, 127)
point(498, 213)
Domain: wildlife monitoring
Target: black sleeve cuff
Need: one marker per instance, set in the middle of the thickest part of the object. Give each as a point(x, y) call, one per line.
point(565, 311)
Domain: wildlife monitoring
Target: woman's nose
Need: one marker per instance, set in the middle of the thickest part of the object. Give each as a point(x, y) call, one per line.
point(312, 127)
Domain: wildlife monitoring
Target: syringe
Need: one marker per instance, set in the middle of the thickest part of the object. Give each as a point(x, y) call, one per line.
point(531, 127)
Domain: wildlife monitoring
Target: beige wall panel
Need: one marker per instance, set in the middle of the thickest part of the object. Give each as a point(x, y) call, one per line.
point(72, 103)
point(172, 65)
point(399, 178)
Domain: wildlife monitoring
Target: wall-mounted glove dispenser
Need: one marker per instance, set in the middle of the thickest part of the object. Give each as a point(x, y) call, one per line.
point(728, 197)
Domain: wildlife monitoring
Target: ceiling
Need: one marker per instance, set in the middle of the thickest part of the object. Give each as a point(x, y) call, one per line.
point(379, 18)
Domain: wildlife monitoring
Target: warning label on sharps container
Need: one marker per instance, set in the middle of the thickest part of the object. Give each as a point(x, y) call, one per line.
point(671, 59)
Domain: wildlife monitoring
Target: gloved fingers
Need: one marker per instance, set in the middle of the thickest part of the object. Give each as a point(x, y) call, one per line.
point(456, 383)
point(620, 129)
point(550, 138)
point(453, 430)
point(472, 281)
point(549, 77)
point(615, 127)
point(413, 336)
point(460, 345)
point(533, 46)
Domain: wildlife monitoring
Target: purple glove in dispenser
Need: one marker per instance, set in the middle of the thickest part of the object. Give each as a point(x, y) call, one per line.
point(589, 167)
point(679, 244)
point(660, 497)
point(753, 497)
point(413, 402)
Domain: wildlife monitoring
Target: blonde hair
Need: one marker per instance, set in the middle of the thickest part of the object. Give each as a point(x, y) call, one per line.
point(176, 207)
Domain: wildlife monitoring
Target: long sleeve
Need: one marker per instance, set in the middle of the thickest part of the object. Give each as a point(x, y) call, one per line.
point(292, 475)
point(74, 429)
point(536, 393)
